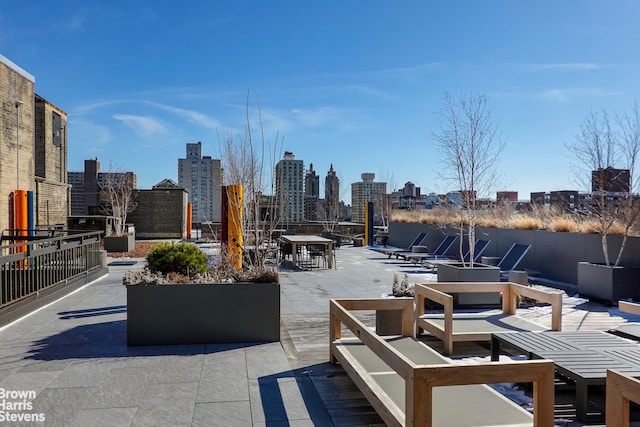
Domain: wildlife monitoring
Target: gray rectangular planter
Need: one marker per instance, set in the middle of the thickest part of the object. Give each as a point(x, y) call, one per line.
point(201, 314)
point(608, 284)
point(120, 243)
point(478, 273)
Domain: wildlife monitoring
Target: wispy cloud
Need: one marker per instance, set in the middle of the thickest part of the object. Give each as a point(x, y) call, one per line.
point(406, 72)
point(88, 108)
point(373, 92)
point(144, 125)
point(190, 115)
point(564, 95)
point(92, 137)
point(577, 66)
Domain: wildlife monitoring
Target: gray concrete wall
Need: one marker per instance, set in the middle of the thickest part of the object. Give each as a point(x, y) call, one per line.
point(554, 254)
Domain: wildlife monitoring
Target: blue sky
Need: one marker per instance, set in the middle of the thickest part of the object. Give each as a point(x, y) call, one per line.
point(357, 84)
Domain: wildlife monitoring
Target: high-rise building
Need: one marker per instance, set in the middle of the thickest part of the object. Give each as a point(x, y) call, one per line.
point(290, 188)
point(365, 191)
point(311, 194)
point(332, 195)
point(201, 176)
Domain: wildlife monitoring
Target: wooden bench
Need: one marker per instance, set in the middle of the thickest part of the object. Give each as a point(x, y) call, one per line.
point(621, 389)
point(408, 383)
point(450, 326)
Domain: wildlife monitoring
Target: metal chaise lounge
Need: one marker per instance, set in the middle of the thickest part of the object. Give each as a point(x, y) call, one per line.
point(479, 248)
point(512, 258)
point(421, 237)
point(439, 253)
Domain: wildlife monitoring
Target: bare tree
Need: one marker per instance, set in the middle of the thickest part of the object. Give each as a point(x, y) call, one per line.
point(470, 145)
point(629, 138)
point(605, 162)
point(119, 191)
point(251, 164)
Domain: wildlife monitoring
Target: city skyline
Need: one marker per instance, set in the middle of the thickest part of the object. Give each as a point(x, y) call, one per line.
point(351, 85)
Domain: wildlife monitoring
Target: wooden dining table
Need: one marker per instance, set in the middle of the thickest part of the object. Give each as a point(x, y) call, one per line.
point(308, 239)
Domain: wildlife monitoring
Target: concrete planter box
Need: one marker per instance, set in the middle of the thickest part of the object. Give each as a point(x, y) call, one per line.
point(478, 273)
point(456, 272)
point(120, 243)
point(201, 314)
point(608, 284)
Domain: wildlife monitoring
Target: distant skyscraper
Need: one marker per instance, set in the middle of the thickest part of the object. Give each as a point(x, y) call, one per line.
point(290, 188)
point(365, 191)
point(201, 176)
point(311, 194)
point(332, 194)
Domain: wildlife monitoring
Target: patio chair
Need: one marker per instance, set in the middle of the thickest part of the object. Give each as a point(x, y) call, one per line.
point(421, 237)
point(439, 253)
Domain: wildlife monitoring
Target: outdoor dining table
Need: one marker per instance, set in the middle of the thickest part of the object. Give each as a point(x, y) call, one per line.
point(580, 356)
point(309, 239)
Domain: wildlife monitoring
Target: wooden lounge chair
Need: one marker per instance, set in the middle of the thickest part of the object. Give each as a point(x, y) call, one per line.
point(408, 383)
point(440, 251)
point(450, 326)
point(421, 237)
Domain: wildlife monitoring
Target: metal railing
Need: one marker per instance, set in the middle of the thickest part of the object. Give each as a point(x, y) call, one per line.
point(32, 263)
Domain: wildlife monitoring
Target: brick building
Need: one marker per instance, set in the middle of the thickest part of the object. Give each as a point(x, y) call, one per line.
point(16, 138)
point(160, 212)
point(33, 149)
point(52, 190)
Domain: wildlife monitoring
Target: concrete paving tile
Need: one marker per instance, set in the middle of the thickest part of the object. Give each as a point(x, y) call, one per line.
point(224, 377)
point(105, 417)
point(173, 414)
point(290, 423)
point(179, 369)
point(266, 360)
point(121, 387)
point(60, 405)
point(275, 400)
point(29, 381)
point(164, 394)
point(237, 414)
point(46, 365)
point(83, 373)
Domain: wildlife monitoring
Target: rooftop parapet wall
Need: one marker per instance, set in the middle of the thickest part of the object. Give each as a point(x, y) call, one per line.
point(554, 254)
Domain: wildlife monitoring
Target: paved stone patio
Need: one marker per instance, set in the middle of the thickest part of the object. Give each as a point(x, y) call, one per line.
point(72, 355)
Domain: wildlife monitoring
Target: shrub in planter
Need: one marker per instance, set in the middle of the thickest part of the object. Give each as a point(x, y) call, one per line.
point(181, 258)
point(173, 301)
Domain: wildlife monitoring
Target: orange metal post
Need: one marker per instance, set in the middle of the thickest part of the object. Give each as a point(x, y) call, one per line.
point(189, 219)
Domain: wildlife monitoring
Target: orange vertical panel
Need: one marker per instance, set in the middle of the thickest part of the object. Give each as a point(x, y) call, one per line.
point(234, 206)
point(189, 219)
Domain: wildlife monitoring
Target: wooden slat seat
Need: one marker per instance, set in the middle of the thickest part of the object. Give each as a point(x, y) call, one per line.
point(450, 326)
point(481, 403)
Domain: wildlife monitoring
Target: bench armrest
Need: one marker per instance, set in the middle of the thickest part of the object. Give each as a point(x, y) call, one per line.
point(539, 372)
point(552, 298)
point(621, 389)
point(629, 307)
